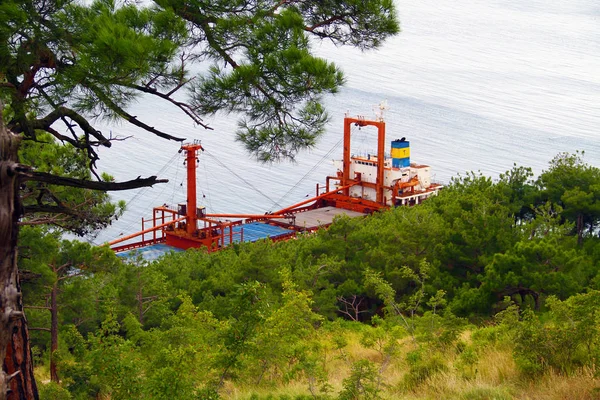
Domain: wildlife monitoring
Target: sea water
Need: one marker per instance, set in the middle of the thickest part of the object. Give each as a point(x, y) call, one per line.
point(474, 85)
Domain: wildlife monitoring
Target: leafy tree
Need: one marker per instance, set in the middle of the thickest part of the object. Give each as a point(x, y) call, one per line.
point(262, 66)
point(535, 268)
point(363, 382)
point(480, 224)
point(115, 366)
point(517, 188)
point(281, 341)
point(565, 341)
point(179, 354)
point(64, 63)
point(249, 312)
point(57, 262)
point(575, 186)
point(77, 210)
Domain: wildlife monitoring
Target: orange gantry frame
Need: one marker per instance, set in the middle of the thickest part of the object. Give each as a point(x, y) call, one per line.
point(346, 180)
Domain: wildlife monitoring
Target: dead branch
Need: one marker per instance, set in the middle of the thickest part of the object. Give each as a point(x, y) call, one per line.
point(351, 306)
point(28, 174)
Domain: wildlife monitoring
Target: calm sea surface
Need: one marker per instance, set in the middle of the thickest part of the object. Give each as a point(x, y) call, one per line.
point(475, 85)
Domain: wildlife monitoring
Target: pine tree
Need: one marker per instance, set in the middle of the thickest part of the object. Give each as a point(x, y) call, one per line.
point(64, 63)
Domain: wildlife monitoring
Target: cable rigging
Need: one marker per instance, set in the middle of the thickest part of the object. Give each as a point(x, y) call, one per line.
point(167, 165)
point(238, 176)
point(208, 197)
point(326, 156)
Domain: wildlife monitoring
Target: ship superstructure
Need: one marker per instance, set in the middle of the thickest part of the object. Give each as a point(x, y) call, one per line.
point(388, 180)
point(361, 185)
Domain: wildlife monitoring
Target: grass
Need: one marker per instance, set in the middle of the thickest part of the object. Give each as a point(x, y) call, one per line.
point(493, 376)
point(477, 368)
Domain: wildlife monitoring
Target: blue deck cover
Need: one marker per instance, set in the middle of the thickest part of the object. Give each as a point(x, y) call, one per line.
point(148, 253)
point(255, 231)
point(252, 232)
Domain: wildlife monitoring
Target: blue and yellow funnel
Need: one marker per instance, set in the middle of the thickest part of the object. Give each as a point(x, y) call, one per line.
point(400, 153)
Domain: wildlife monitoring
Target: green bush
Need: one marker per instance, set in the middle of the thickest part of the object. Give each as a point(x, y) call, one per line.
point(568, 339)
point(467, 361)
point(363, 382)
point(422, 365)
point(53, 391)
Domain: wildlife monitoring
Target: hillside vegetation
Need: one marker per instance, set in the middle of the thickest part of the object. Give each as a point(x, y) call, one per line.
point(488, 291)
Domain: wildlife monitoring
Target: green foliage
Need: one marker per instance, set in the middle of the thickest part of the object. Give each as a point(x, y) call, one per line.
point(53, 391)
point(101, 56)
point(270, 74)
point(282, 339)
point(65, 267)
point(479, 222)
point(80, 211)
point(567, 340)
point(265, 314)
point(501, 333)
point(363, 382)
point(440, 330)
point(517, 189)
point(575, 186)
point(384, 338)
point(467, 242)
point(422, 365)
point(115, 366)
point(468, 359)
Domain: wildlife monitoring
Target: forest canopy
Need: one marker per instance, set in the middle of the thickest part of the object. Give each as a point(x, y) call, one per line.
point(501, 254)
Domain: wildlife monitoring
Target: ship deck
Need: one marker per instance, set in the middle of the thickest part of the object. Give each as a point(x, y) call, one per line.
point(319, 217)
point(249, 233)
point(255, 231)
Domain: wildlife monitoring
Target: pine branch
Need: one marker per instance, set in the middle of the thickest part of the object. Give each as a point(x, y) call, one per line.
point(130, 118)
point(59, 113)
point(28, 174)
point(186, 108)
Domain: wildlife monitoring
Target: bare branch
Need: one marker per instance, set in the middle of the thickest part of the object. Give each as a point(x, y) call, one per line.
point(62, 278)
point(186, 108)
point(86, 184)
point(65, 265)
point(39, 329)
point(131, 118)
point(59, 113)
point(46, 220)
point(352, 305)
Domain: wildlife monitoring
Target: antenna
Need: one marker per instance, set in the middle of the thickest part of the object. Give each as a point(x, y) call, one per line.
point(380, 110)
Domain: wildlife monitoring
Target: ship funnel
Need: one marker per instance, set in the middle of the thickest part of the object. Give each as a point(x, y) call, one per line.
point(400, 153)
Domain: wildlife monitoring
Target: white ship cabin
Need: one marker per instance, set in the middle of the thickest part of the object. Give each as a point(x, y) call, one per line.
point(405, 183)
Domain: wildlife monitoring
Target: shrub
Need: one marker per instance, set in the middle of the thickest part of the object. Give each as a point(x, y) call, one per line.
point(422, 365)
point(363, 382)
point(568, 340)
point(53, 391)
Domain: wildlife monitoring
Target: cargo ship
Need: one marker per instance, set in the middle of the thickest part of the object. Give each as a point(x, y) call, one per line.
point(361, 185)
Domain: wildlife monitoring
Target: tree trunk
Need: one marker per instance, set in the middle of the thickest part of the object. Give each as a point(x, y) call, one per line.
point(579, 229)
point(140, 299)
point(18, 358)
point(16, 377)
point(53, 332)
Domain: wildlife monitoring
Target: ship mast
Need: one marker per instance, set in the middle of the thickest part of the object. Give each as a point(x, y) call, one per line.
point(191, 219)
